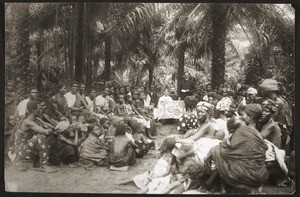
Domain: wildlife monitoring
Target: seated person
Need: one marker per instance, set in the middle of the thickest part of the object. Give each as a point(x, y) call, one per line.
point(63, 150)
point(32, 140)
point(58, 103)
point(21, 110)
point(141, 140)
point(186, 122)
point(270, 130)
point(75, 102)
point(120, 107)
point(159, 178)
point(191, 102)
point(240, 160)
point(173, 94)
point(96, 148)
point(203, 139)
point(122, 148)
point(104, 103)
point(222, 109)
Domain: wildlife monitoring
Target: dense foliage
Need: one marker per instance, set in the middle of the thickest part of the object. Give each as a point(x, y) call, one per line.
point(153, 43)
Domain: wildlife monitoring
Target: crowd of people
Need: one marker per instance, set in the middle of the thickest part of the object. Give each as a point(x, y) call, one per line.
point(229, 139)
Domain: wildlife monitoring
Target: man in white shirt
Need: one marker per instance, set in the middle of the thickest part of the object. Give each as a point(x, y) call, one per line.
point(22, 107)
point(104, 103)
point(75, 102)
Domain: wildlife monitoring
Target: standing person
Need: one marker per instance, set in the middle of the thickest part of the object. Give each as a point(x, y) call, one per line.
point(22, 107)
point(58, 103)
point(188, 86)
point(32, 140)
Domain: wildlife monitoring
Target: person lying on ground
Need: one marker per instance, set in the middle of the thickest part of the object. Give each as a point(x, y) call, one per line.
point(32, 140)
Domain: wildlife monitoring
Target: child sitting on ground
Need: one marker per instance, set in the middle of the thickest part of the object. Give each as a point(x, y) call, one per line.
point(160, 177)
point(64, 147)
point(121, 148)
point(120, 107)
point(95, 148)
point(143, 143)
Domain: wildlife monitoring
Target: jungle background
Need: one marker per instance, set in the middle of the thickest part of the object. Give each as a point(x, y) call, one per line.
point(148, 43)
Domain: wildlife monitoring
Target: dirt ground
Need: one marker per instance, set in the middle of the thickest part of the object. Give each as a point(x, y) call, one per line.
point(96, 180)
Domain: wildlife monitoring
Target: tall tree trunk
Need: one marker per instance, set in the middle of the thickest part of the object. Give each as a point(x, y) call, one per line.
point(180, 68)
point(89, 69)
point(152, 64)
point(219, 32)
point(79, 57)
point(89, 40)
point(39, 49)
point(107, 57)
point(56, 35)
point(65, 42)
point(21, 17)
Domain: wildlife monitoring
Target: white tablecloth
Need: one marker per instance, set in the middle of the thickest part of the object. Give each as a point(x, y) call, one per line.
point(169, 110)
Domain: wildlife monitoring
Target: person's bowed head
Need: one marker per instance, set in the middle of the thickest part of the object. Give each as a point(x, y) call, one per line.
point(233, 124)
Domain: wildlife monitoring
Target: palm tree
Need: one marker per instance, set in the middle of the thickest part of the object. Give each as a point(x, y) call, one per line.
point(208, 24)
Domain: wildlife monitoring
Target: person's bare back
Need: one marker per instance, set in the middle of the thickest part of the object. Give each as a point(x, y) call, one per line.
point(120, 145)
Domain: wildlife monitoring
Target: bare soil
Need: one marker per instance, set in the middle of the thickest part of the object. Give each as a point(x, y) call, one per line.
point(95, 179)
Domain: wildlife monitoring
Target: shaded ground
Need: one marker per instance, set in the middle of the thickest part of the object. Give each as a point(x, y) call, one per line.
point(98, 180)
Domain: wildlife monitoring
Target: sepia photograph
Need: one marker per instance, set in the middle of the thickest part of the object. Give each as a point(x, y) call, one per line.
point(149, 98)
